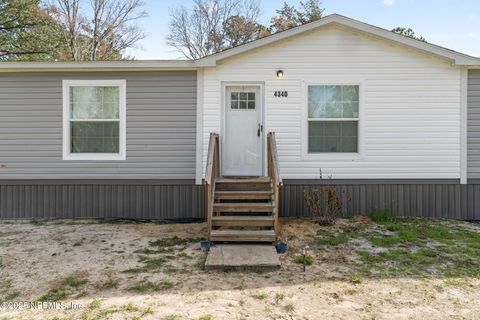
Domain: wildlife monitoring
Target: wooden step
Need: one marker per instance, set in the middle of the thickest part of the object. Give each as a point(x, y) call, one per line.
point(243, 207)
point(244, 184)
point(242, 221)
point(244, 180)
point(243, 235)
point(243, 195)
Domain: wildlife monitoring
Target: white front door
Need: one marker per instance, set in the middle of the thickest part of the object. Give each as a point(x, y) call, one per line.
point(242, 147)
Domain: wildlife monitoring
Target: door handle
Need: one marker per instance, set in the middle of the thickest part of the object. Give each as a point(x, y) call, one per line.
point(260, 129)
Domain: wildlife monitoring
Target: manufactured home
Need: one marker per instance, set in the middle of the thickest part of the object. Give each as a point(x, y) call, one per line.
point(393, 122)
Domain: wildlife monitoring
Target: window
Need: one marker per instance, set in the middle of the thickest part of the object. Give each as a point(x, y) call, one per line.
point(333, 116)
point(94, 119)
point(242, 100)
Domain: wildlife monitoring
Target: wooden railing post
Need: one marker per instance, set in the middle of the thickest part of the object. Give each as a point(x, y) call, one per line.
point(212, 171)
point(274, 174)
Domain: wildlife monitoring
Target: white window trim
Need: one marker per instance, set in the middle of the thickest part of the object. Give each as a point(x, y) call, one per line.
point(121, 155)
point(335, 156)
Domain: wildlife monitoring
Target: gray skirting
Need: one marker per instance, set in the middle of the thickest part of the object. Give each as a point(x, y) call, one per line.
point(129, 199)
point(418, 198)
point(182, 199)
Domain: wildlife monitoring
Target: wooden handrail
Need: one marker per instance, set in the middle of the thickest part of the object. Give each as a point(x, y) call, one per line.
point(274, 174)
point(212, 171)
point(212, 162)
point(273, 168)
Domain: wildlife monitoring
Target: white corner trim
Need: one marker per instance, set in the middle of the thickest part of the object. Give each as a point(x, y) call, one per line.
point(67, 155)
point(463, 124)
point(199, 137)
point(339, 156)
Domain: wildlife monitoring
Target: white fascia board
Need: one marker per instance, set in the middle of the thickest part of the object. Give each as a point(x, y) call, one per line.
point(133, 65)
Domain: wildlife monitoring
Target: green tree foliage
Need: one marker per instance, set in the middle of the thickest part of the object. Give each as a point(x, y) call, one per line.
point(27, 32)
point(408, 32)
point(239, 30)
point(68, 29)
point(289, 17)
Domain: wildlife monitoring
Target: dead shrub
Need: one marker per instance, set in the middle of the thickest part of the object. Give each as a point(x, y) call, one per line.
point(324, 201)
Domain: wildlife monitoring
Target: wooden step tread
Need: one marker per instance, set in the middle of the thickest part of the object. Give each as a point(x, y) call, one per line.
point(242, 235)
point(243, 221)
point(243, 207)
point(244, 180)
point(232, 195)
point(226, 218)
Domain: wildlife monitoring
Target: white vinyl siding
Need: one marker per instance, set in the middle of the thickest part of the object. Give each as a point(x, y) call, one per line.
point(409, 114)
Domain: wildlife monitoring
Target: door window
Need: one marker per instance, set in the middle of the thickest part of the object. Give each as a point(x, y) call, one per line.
point(242, 100)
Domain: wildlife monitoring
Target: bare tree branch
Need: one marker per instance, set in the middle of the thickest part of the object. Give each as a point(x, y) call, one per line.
point(213, 25)
point(100, 29)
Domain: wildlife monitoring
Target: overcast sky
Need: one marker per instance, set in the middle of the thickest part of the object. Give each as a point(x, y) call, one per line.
point(454, 24)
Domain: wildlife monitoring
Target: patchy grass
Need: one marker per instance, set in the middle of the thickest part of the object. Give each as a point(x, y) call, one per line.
point(152, 263)
point(307, 260)
point(385, 240)
point(147, 286)
point(368, 257)
point(54, 295)
point(38, 223)
point(110, 283)
point(11, 296)
point(241, 285)
point(396, 246)
point(65, 290)
point(200, 263)
point(95, 312)
point(436, 261)
point(95, 304)
point(6, 293)
point(74, 282)
point(383, 215)
point(355, 278)
point(279, 296)
point(289, 307)
point(173, 241)
point(154, 257)
point(326, 238)
point(261, 296)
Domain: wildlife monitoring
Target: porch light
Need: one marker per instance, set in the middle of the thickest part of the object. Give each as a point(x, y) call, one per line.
point(279, 74)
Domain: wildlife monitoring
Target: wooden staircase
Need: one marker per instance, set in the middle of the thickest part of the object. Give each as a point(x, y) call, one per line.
point(242, 209)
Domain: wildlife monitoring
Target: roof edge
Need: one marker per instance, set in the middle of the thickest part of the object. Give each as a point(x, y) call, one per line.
point(457, 58)
point(83, 66)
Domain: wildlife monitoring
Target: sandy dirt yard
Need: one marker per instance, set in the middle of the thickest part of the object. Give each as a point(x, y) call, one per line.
point(360, 270)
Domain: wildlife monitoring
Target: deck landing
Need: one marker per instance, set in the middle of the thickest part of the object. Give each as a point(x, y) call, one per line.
point(240, 256)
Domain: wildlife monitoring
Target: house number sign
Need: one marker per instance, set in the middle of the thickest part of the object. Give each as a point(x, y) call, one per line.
point(280, 94)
